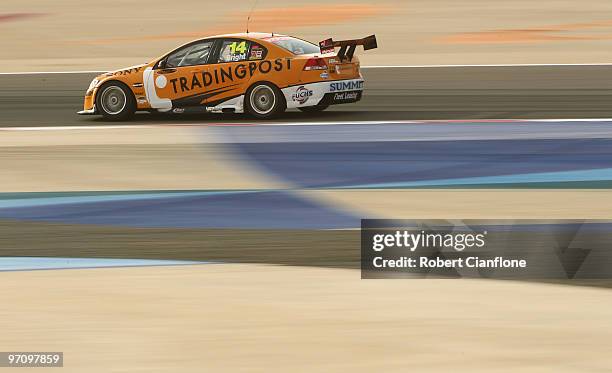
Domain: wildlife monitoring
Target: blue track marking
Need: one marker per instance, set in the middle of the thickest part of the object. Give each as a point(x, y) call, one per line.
point(14, 200)
point(254, 210)
point(345, 156)
point(548, 178)
point(8, 264)
point(438, 131)
point(400, 163)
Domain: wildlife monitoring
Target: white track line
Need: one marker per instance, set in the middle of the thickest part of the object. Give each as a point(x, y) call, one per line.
point(363, 67)
point(490, 65)
point(292, 124)
point(51, 72)
point(70, 128)
point(451, 121)
point(454, 122)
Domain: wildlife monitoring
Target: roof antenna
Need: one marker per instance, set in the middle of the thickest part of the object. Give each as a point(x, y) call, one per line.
point(251, 13)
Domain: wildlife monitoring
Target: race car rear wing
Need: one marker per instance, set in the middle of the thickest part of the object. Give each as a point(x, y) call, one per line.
point(348, 47)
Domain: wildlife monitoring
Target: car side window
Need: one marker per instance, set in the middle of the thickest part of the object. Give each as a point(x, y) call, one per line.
point(234, 51)
point(175, 58)
point(196, 54)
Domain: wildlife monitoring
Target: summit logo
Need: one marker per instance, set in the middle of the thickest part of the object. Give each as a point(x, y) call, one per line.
point(352, 85)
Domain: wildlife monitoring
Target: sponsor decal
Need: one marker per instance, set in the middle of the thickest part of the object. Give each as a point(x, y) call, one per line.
point(229, 74)
point(346, 96)
point(256, 53)
point(350, 85)
point(302, 95)
point(327, 46)
point(325, 75)
point(126, 71)
point(237, 57)
point(161, 81)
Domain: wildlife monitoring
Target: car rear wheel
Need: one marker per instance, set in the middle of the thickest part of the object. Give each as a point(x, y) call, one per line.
point(313, 109)
point(265, 101)
point(115, 102)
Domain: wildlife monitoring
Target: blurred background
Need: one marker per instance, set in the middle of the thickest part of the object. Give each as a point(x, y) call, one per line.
point(39, 35)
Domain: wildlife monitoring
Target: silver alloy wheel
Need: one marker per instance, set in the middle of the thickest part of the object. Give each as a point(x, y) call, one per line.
point(113, 100)
point(263, 99)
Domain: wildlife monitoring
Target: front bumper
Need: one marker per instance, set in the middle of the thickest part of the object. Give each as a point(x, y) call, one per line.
point(87, 112)
point(89, 105)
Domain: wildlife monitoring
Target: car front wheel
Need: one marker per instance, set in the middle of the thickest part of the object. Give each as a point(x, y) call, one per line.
point(265, 101)
point(115, 102)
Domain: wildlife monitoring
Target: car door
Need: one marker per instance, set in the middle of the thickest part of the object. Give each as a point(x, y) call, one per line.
point(231, 68)
point(181, 77)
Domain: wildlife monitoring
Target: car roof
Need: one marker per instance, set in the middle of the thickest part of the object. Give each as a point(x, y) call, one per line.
point(249, 35)
point(262, 36)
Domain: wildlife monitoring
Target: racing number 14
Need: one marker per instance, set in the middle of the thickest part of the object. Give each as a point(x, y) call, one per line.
point(238, 47)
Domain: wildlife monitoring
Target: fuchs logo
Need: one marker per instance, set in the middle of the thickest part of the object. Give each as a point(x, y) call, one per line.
point(302, 95)
point(353, 85)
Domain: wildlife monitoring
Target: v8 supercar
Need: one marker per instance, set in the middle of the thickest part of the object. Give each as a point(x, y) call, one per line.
point(261, 74)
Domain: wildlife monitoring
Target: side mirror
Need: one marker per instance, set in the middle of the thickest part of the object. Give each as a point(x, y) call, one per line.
point(161, 64)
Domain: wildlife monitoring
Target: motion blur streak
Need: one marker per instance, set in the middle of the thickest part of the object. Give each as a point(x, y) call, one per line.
point(70, 36)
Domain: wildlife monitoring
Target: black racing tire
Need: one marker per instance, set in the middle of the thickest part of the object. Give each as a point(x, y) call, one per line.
point(115, 101)
point(264, 100)
point(313, 109)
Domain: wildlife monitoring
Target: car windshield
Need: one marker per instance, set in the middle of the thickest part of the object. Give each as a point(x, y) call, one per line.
point(294, 45)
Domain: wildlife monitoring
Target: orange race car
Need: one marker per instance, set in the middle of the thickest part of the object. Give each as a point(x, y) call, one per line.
point(262, 74)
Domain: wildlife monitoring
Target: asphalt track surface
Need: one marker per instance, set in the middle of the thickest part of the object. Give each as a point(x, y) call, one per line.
point(391, 94)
